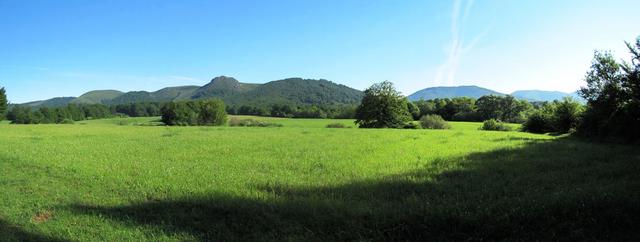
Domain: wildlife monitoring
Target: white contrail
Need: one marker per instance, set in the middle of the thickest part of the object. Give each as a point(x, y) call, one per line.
point(447, 71)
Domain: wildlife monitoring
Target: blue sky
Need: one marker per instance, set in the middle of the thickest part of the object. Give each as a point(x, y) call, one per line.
point(65, 48)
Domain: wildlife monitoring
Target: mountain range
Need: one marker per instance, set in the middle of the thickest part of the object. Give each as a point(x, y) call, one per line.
point(477, 92)
point(291, 91)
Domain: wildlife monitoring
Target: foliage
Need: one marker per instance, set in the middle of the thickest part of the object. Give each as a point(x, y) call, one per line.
point(143, 109)
point(495, 125)
point(382, 107)
point(556, 117)
point(22, 114)
point(566, 115)
point(289, 111)
point(539, 122)
point(613, 96)
point(413, 110)
point(505, 108)
point(211, 112)
point(203, 112)
point(251, 123)
point(433, 121)
point(4, 103)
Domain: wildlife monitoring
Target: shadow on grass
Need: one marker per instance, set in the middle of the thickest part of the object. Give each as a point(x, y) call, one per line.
point(554, 190)
point(9, 232)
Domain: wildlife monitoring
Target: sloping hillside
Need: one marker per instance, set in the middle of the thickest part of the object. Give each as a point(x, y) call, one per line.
point(222, 86)
point(292, 91)
point(298, 91)
point(97, 97)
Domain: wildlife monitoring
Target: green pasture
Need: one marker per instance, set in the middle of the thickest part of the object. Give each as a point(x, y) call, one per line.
point(135, 180)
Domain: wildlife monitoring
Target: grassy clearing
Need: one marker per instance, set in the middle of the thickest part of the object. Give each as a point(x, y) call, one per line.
point(99, 180)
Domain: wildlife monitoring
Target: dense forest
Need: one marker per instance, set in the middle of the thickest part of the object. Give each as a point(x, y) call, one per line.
point(22, 114)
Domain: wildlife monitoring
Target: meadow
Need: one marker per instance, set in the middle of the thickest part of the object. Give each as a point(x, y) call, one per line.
point(129, 179)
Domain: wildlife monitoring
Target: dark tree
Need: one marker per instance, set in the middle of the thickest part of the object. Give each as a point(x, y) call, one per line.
point(212, 112)
point(613, 96)
point(413, 110)
point(4, 104)
point(203, 112)
point(489, 107)
point(382, 107)
point(566, 115)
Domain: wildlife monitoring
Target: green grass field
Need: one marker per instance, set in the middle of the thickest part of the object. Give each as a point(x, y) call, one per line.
point(128, 180)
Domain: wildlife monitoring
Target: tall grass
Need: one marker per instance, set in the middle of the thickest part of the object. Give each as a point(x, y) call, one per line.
point(103, 181)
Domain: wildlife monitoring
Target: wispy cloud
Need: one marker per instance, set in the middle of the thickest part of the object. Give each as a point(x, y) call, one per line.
point(446, 72)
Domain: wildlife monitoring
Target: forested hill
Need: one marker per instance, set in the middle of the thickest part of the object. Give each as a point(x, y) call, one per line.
point(292, 91)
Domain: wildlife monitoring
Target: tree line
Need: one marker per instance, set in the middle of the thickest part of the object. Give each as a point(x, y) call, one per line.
point(613, 97)
point(612, 110)
point(22, 114)
point(295, 111)
point(504, 108)
point(384, 107)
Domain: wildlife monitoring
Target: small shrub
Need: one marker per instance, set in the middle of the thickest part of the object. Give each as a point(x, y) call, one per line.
point(495, 125)
point(336, 125)
point(433, 121)
point(411, 125)
point(538, 122)
point(236, 122)
point(67, 121)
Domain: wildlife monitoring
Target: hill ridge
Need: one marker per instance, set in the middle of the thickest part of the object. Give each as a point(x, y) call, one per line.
point(292, 91)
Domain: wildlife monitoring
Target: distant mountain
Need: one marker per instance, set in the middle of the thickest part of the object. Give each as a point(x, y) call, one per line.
point(167, 94)
point(575, 95)
point(477, 92)
point(292, 91)
point(97, 97)
point(297, 91)
point(222, 86)
point(53, 103)
point(451, 92)
point(537, 95)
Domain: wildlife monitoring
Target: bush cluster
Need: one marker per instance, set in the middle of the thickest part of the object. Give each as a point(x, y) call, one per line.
point(505, 108)
point(433, 121)
point(251, 123)
point(204, 112)
point(555, 117)
point(495, 125)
